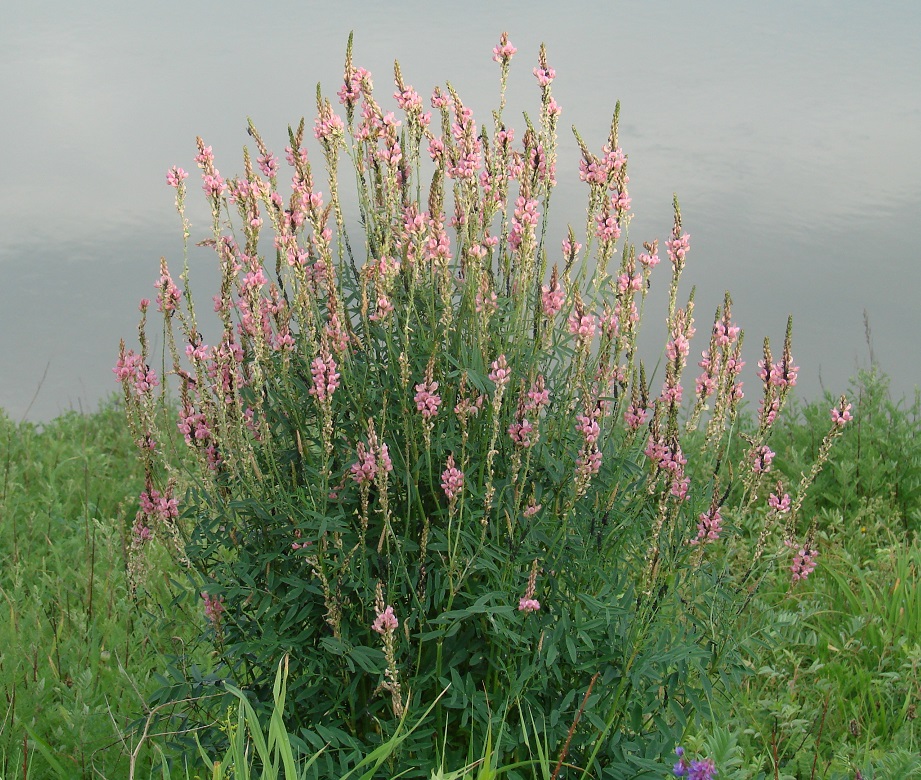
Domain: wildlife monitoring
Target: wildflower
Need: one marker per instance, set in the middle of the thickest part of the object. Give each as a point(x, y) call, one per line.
point(328, 126)
point(678, 246)
point(268, 164)
point(325, 376)
point(384, 308)
point(214, 607)
point(500, 372)
point(709, 527)
point(364, 470)
point(532, 508)
point(704, 769)
point(169, 294)
point(544, 76)
point(385, 622)
point(779, 503)
point(520, 433)
point(538, 396)
point(528, 603)
point(588, 427)
point(582, 326)
point(485, 299)
point(650, 258)
point(452, 480)
point(762, 459)
point(502, 53)
point(803, 562)
point(570, 247)
point(427, 400)
point(843, 416)
point(551, 297)
point(175, 175)
point(635, 416)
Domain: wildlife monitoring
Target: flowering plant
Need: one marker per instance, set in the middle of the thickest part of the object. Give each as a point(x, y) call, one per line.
point(423, 460)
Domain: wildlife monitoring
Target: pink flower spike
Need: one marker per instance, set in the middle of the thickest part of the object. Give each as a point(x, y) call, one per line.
point(544, 76)
point(528, 605)
point(452, 480)
point(385, 622)
point(500, 372)
point(762, 459)
point(843, 416)
point(803, 563)
point(175, 175)
point(780, 503)
point(427, 399)
point(504, 52)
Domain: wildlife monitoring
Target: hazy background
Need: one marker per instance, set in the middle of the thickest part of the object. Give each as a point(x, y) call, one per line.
point(791, 132)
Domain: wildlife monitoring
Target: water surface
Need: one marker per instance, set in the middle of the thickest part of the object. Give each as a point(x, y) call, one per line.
point(789, 130)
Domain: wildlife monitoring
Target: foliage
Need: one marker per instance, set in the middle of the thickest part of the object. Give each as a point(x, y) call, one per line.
point(875, 482)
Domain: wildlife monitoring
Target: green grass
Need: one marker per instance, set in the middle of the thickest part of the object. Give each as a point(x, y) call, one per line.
point(76, 651)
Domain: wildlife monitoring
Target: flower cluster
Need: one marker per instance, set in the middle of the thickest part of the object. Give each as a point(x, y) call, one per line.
point(703, 769)
point(452, 480)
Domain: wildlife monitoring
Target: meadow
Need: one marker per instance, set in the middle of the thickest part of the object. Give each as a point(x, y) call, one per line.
point(423, 512)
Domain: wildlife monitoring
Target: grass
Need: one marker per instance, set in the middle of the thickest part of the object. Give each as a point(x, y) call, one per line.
point(833, 666)
point(77, 650)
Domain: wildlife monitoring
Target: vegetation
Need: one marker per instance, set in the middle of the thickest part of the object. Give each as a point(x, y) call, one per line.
point(421, 512)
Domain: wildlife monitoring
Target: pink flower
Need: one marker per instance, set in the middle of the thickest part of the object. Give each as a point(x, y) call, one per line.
point(551, 299)
point(504, 52)
point(678, 347)
point(709, 527)
point(364, 470)
point(779, 503)
point(325, 377)
point(803, 563)
point(650, 258)
point(582, 325)
point(328, 125)
point(169, 294)
point(440, 99)
point(588, 427)
point(678, 247)
point(351, 88)
point(268, 164)
point(500, 373)
point(634, 417)
point(608, 227)
point(385, 622)
point(544, 76)
point(762, 459)
point(842, 417)
point(588, 463)
point(175, 175)
point(452, 480)
point(383, 310)
point(427, 400)
point(520, 433)
point(570, 248)
point(485, 299)
point(528, 605)
point(538, 396)
point(214, 607)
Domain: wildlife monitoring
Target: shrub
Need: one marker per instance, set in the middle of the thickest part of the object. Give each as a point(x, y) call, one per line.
point(426, 461)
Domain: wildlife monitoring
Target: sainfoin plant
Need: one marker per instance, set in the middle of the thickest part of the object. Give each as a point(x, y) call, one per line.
point(427, 460)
